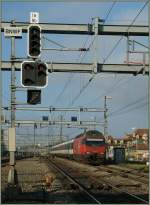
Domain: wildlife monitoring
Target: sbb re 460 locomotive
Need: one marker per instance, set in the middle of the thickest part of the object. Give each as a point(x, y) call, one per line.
point(89, 147)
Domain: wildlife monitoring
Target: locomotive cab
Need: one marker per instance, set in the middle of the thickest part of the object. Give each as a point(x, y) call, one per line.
point(95, 150)
point(90, 147)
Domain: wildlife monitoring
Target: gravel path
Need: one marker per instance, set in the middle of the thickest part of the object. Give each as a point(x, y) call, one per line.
point(31, 174)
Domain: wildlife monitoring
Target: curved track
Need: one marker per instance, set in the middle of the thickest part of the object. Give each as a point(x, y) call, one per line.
point(74, 181)
point(125, 173)
point(69, 173)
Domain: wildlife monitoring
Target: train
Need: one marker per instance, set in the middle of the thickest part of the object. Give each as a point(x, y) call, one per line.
point(89, 147)
point(18, 156)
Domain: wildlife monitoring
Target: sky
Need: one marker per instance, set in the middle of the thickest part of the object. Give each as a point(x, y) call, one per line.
point(128, 107)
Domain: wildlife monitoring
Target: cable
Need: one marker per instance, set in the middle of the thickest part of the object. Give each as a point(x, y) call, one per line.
point(109, 54)
point(85, 86)
point(109, 11)
point(89, 81)
point(116, 45)
point(129, 110)
point(54, 42)
point(112, 88)
point(72, 75)
point(128, 105)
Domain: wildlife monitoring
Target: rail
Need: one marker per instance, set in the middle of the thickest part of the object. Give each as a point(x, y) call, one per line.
point(75, 182)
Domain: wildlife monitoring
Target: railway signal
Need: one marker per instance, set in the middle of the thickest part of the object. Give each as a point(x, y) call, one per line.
point(34, 74)
point(28, 73)
point(34, 41)
point(41, 74)
point(33, 97)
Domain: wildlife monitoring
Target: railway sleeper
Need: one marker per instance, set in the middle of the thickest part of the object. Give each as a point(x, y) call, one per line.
point(124, 175)
point(128, 185)
point(74, 186)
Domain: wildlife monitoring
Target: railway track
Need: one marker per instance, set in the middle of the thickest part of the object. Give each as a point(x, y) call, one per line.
point(5, 161)
point(74, 181)
point(69, 173)
point(125, 173)
point(129, 170)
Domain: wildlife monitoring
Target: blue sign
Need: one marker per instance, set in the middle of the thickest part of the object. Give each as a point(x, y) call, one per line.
point(73, 118)
point(45, 118)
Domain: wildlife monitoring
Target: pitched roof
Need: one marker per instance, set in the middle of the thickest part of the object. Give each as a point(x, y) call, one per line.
point(141, 131)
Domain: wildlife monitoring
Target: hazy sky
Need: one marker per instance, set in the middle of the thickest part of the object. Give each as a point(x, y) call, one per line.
point(128, 106)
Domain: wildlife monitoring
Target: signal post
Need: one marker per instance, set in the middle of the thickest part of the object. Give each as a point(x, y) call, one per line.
point(34, 74)
point(13, 186)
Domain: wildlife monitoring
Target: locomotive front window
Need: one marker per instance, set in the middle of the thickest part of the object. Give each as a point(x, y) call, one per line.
point(83, 141)
point(95, 143)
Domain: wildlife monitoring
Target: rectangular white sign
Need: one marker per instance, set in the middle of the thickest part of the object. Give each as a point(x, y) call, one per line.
point(13, 31)
point(34, 17)
point(12, 139)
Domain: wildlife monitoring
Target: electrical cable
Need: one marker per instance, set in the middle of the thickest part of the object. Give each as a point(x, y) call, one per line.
point(128, 105)
point(54, 42)
point(116, 45)
point(133, 21)
point(129, 110)
point(109, 11)
point(113, 87)
point(91, 78)
point(110, 53)
point(72, 75)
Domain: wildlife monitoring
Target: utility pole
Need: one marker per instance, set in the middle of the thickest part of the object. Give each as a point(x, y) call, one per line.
point(96, 24)
point(35, 126)
point(61, 118)
point(105, 115)
point(12, 175)
point(149, 69)
point(48, 140)
point(1, 97)
point(12, 154)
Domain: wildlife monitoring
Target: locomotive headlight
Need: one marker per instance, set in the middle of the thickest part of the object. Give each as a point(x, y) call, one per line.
point(87, 152)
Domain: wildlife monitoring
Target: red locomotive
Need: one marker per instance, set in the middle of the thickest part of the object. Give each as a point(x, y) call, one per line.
point(89, 147)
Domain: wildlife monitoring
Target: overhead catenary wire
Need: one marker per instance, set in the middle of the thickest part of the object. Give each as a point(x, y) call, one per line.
point(112, 88)
point(91, 78)
point(90, 45)
point(109, 54)
point(141, 105)
point(118, 42)
point(128, 105)
point(54, 42)
point(110, 9)
point(89, 81)
point(79, 59)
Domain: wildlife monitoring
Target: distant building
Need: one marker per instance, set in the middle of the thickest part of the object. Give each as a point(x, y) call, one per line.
point(127, 139)
point(119, 142)
point(141, 135)
point(110, 140)
point(137, 144)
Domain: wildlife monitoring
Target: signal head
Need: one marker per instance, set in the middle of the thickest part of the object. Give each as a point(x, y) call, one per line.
point(34, 41)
